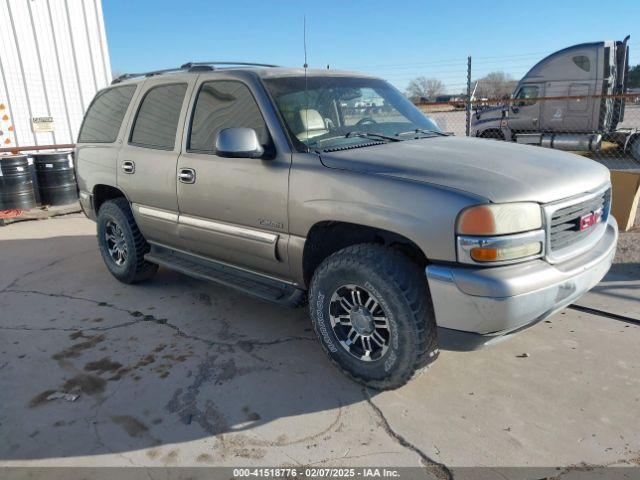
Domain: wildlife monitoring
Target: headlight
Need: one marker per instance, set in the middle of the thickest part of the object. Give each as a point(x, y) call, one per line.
point(497, 234)
point(496, 219)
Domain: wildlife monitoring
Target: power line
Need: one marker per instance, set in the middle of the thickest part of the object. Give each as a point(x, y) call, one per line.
point(476, 60)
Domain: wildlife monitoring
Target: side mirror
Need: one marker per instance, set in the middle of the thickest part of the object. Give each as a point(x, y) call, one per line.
point(238, 143)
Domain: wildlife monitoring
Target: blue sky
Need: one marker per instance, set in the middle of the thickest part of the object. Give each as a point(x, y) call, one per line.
point(397, 40)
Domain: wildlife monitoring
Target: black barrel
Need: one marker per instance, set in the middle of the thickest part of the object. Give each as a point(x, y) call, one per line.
point(34, 177)
point(56, 178)
point(16, 184)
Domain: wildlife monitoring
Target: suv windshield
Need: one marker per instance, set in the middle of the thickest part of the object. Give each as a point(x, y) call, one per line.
point(331, 112)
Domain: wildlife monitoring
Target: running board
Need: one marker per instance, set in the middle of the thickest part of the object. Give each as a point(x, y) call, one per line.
point(266, 288)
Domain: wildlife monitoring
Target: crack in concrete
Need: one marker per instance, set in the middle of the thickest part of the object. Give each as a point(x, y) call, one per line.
point(439, 470)
point(588, 467)
point(44, 267)
point(352, 457)
point(245, 344)
point(25, 328)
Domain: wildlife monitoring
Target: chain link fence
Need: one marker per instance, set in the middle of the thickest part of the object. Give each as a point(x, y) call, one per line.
point(605, 128)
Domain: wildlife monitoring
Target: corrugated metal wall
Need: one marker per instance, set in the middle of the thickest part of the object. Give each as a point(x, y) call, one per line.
point(53, 59)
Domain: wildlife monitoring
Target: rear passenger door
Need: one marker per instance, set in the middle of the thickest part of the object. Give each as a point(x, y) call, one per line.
point(233, 209)
point(147, 160)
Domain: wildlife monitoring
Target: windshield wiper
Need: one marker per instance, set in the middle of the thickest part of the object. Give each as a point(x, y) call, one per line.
point(377, 139)
point(373, 135)
point(425, 131)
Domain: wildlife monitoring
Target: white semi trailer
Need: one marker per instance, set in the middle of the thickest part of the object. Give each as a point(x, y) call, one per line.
point(53, 59)
point(571, 100)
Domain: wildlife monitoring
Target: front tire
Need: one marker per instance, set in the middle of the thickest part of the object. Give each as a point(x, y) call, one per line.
point(492, 134)
point(121, 243)
point(371, 310)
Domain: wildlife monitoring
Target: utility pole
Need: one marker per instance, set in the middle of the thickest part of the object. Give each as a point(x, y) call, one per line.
point(468, 123)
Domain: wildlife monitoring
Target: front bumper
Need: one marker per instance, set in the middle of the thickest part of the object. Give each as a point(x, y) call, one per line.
point(478, 306)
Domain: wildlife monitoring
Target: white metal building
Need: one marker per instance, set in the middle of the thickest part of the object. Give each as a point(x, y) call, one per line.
point(53, 59)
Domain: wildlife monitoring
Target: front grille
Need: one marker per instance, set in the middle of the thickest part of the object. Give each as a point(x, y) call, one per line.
point(564, 227)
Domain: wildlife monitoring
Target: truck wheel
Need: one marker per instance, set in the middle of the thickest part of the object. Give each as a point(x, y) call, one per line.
point(121, 244)
point(371, 310)
point(635, 149)
point(492, 134)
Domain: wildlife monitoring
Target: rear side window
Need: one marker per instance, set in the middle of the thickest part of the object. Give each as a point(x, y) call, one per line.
point(582, 61)
point(224, 104)
point(156, 123)
point(104, 117)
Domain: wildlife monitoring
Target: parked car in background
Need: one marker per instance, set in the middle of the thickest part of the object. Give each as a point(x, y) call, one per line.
point(403, 239)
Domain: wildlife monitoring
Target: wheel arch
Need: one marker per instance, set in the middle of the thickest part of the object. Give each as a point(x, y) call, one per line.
point(102, 192)
point(494, 133)
point(631, 139)
point(329, 236)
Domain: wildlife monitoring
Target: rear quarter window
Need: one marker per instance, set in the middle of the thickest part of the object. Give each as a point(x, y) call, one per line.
point(104, 117)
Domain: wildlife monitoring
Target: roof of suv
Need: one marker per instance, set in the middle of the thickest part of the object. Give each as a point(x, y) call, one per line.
point(262, 70)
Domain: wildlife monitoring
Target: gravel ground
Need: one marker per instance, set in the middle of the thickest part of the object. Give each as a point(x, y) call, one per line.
point(629, 244)
point(628, 247)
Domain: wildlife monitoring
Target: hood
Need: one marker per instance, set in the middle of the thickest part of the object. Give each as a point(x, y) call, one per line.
point(497, 171)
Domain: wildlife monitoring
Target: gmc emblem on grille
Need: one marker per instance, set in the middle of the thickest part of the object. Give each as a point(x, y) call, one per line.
point(590, 219)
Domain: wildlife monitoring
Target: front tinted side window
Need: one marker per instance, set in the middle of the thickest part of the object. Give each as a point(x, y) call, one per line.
point(224, 104)
point(104, 116)
point(156, 123)
point(527, 96)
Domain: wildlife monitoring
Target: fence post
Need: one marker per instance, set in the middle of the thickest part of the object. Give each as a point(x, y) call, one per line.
point(468, 122)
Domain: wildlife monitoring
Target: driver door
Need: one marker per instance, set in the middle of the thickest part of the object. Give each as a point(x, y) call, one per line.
point(524, 113)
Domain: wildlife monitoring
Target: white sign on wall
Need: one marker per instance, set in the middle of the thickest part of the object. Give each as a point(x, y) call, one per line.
point(42, 124)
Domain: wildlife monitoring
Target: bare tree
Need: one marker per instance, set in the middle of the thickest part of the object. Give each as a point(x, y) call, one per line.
point(495, 85)
point(634, 77)
point(424, 88)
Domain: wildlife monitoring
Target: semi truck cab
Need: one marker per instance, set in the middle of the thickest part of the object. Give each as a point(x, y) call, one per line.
point(570, 100)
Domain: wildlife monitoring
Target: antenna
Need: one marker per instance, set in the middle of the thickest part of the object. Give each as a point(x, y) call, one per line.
point(304, 40)
point(306, 85)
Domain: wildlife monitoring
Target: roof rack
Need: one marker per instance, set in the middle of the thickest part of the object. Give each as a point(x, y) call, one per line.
point(213, 64)
point(190, 67)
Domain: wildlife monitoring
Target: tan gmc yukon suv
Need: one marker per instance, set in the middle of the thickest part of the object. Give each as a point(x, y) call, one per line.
point(331, 187)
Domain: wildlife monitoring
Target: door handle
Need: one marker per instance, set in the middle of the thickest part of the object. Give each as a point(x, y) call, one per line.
point(128, 167)
point(187, 175)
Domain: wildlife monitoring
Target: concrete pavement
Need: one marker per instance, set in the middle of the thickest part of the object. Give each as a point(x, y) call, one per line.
point(178, 372)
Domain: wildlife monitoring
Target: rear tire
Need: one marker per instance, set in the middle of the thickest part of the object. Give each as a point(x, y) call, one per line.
point(121, 244)
point(353, 293)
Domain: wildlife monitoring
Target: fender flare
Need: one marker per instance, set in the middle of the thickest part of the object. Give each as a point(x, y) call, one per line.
point(630, 139)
